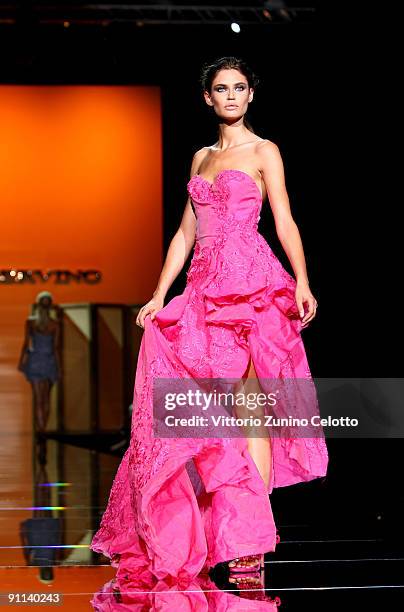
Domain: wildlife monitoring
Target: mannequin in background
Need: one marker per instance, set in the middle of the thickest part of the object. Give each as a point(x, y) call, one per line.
point(40, 363)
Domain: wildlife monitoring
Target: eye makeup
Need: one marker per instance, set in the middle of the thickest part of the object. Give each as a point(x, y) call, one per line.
point(221, 86)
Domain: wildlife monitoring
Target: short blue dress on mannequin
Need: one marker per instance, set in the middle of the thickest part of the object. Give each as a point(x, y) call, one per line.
point(40, 363)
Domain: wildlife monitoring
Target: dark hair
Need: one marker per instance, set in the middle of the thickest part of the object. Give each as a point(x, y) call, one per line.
point(209, 71)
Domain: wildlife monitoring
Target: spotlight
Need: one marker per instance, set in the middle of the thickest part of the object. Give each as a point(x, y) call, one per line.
point(235, 27)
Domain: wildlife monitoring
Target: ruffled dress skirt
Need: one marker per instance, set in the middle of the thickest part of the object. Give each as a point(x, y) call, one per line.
point(180, 505)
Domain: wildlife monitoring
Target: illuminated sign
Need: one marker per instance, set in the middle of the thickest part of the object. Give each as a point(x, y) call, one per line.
point(15, 276)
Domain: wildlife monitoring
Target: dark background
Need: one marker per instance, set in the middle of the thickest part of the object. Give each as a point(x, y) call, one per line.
point(322, 83)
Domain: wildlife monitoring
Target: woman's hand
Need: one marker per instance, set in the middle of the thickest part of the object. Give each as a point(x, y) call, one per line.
point(151, 308)
point(22, 362)
point(303, 296)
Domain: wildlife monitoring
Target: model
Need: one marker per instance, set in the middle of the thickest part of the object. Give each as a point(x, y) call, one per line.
point(239, 317)
point(40, 362)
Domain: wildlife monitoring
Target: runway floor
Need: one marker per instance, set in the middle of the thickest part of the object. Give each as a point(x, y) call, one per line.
point(51, 507)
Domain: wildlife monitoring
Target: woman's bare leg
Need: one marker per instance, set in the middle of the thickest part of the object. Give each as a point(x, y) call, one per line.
point(259, 443)
point(36, 403)
point(41, 401)
point(47, 385)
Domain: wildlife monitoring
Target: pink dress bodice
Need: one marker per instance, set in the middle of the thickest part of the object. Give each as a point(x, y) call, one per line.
point(232, 203)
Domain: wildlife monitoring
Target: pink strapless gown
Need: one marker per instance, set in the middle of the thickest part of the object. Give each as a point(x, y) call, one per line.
point(238, 301)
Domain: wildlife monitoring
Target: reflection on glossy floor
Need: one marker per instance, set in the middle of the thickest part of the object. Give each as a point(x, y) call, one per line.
point(51, 506)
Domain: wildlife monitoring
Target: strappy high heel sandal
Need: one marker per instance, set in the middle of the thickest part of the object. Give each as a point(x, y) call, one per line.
point(255, 567)
point(250, 581)
point(254, 564)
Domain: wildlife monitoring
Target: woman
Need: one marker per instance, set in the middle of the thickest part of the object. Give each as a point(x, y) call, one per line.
point(240, 317)
point(40, 364)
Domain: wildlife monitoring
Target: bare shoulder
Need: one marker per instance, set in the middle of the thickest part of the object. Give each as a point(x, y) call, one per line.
point(197, 159)
point(266, 147)
point(201, 153)
point(269, 157)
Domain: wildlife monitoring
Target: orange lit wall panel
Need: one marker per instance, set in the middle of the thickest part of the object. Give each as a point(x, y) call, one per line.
point(81, 188)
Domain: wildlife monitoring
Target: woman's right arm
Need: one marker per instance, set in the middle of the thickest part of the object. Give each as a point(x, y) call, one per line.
point(25, 345)
point(177, 254)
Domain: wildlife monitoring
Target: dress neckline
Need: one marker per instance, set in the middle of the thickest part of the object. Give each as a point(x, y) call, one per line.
point(211, 183)
point(36, 331)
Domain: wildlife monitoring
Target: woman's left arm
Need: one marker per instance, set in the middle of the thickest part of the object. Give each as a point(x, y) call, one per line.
point(271, 166)
point(56, 345)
